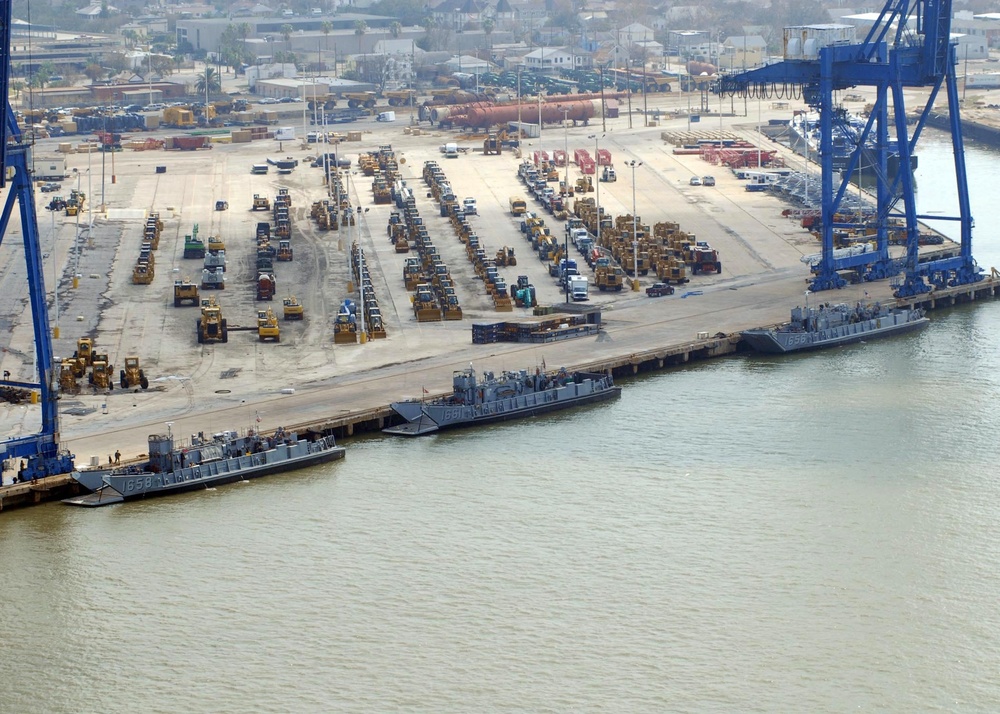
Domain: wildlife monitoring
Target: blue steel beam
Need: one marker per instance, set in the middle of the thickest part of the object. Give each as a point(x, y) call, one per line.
point(922, 55)
point(41, 450)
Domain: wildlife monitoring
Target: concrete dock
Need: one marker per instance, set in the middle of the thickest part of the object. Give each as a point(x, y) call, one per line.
point(306, 381)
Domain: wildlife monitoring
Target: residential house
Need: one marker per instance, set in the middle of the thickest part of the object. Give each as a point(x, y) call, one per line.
point(549, 60)
point(631, 34)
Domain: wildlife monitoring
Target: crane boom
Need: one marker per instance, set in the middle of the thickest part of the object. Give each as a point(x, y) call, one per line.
point(41, 450)
point(909, 45)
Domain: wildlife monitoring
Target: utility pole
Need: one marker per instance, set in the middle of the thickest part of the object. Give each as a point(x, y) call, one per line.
point(597, 178)
point(633, 164)
point(566, 238)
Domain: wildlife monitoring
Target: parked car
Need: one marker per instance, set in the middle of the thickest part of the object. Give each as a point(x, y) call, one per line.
point(659, 290)
point(50, 186)
point(708, 180)
point(695, 181)
point(287, 100)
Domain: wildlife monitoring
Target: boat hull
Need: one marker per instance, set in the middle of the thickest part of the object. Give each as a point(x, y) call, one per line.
point(119, 487)
point(776, 342)
point(427, 418)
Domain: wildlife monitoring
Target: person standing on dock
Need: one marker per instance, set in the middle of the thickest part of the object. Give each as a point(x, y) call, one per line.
point(118, 457)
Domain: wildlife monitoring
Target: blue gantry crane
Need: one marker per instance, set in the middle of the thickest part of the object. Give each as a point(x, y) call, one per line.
point(908, 46)
point(40, 451)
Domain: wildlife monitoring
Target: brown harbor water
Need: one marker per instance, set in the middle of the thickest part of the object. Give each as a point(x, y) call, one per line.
point(815, 533)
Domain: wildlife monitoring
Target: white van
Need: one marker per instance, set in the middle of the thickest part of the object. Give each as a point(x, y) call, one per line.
point(450, 151)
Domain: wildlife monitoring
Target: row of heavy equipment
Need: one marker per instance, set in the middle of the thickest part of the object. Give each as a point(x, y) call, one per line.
point(86, 361)
point(267, 252)
point(143, 270)
point(213, 257)
point(382, 165)
point(485, 265)
point(537, 179)
point(374, 325)
point(426, 274)
point(212, 327)
point(547, 246)
point(330, 215)
point(666, 250)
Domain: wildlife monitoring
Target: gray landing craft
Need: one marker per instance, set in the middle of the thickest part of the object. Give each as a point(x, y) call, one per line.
point(512, 395)
point(829, 325)
point(205, 462)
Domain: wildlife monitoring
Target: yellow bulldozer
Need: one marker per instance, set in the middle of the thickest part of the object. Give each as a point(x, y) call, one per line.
point(425, 307)
point(101, 373)
point(292, 308)
point(68, 376)
point(84, 354)
point(609, 277)
point(261, 203)
point(211, 326)
point(492, 145)
point(132, 375)
point(505, 257)
point(185, 291)
point(267, 326)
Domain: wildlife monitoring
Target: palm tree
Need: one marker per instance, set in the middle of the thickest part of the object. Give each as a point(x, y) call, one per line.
point(360, 28)
point(326, 27)
point(286, 32)
point(395, 29)
point(208, 82)
point(488, 25)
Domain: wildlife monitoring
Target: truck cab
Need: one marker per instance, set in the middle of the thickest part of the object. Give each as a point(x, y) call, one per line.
point(579, 288)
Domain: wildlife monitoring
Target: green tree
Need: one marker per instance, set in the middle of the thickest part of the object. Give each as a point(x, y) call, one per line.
point(93, 71)
point(395, 29)
point(162, 66)
point(244, 30)
point(208, 82)
point(286, 32)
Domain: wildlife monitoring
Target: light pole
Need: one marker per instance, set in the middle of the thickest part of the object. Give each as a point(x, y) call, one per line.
point(520, 127)
point(55, 281)
point(565, 276)
point(361, 264)
point(633, 164)
point(645, 87)
point(597, 153)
